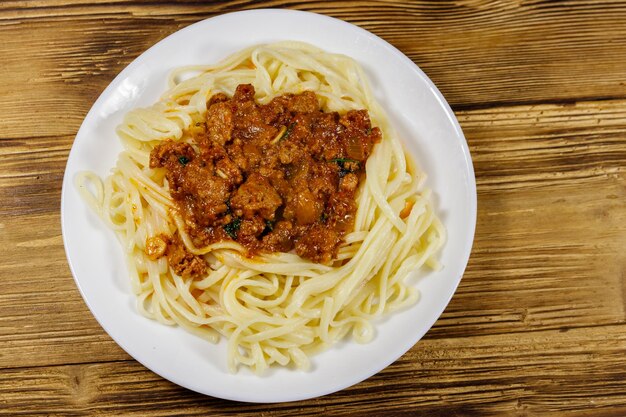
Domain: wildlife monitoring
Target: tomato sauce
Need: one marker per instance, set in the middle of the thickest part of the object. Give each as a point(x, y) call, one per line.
point(274, 177)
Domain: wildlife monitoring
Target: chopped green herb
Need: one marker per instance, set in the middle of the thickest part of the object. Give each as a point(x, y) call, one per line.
point(287, 132)
point(232, 228)
point(183, 160)
point(344, 169)
point(323, 217)
point(368, 131)
point(342, 160)
point(269, 227)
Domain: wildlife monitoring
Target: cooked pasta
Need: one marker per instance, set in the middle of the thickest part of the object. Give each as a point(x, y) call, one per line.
point(273, 308)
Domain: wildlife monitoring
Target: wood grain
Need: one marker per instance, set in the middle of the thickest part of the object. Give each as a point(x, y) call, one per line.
point(444, 376)
point(538, 324)
point(477, 52)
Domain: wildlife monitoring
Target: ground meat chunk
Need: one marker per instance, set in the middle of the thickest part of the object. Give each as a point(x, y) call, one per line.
point(205, 194)
point(323, 180)
point(244, 92)
point(170, 152)
point(238, 155)
point(256, 196)
point(217, 98)
point(306, 102)
point(289, 152)
point(281, 238)
point(319, 244)
point(215, 155)
point(219, 123)
point(342, 207)
point(360, 137)
point(349, 182)
point(183, 262)
point(250, 229)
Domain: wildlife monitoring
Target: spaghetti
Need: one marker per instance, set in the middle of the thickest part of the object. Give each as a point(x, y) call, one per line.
point(273, 308)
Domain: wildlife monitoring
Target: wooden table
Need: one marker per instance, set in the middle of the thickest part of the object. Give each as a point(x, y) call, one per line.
point(538, 324)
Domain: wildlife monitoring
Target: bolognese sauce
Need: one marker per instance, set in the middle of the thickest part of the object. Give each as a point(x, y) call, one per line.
point(273, 177)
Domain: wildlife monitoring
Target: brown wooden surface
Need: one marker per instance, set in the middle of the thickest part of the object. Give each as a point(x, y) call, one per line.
point(538, 324)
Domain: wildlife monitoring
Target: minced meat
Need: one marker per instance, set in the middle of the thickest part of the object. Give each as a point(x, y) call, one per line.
point(273, 177)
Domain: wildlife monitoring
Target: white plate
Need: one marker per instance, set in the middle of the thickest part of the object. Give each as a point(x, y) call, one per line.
point(421, 116)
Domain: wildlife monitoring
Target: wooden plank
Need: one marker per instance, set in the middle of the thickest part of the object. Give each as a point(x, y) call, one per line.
point(43, 319)
point(32, 174)
point(551, 228)
point(548, 373)
point(530, 270)
point(477, 53)
point(548, 253)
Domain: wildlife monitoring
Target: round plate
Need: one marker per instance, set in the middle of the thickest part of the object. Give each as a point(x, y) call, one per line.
point(422, 118)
